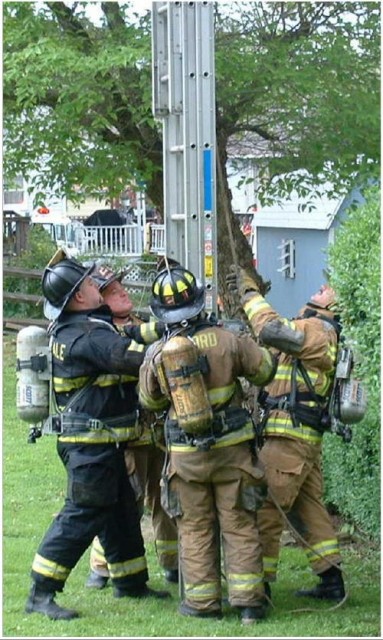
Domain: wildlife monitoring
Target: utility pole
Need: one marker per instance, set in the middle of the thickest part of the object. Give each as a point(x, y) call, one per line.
point(184, 99)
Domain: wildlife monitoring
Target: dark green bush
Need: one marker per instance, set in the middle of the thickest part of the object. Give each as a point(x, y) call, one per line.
point(352, 470)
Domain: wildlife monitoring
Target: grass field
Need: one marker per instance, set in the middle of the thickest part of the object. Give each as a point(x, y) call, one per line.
point(33, 491)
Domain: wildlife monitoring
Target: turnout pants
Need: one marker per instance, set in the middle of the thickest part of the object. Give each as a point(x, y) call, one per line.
point(294, 478)
point(214, 495)
point(144, 467)
point(100, 501)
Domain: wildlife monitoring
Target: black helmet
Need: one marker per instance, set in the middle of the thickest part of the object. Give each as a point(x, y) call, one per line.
point(104, 276)
point(176, 295)
point(59, 283)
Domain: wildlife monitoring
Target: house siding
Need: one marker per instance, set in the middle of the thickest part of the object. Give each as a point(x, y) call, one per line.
point(288, 295)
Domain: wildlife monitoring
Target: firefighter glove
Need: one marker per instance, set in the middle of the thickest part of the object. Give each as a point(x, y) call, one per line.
point(240, 281)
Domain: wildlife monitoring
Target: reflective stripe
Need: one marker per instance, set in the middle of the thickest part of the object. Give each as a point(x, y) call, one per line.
point(50, 569)
point(332, 350)
point(284, 374)
point(323, 549)
point(65, 385)
point(127, 568)
point(220, 395)
point(235, 437)
point(118, 434)
point(148, 332)
point(98, 549)
point(284, 426)
point(255, 305)
point(135, 346)
point(203, 591)
point(270, 565)
point(244, 581)
point(264, 371)
point(170, 547)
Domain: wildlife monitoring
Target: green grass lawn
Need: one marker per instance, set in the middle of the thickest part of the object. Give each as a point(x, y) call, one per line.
point(34, 483)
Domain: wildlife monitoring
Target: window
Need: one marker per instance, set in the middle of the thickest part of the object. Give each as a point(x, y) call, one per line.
point(287, 258)
point(14, 192)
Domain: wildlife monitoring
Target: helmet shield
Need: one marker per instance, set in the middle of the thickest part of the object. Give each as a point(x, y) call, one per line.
point(60, 281)
point(176, 295)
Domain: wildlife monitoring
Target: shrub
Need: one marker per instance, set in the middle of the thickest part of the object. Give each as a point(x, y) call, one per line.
point(353, 471)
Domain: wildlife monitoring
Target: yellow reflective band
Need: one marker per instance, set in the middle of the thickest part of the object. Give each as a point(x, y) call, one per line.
point(270, 564)
point(169, 547)
point(244, 581)
point(255, 305)
point(127, 568)
point(50, 569)
point(64, 385)
point(203, 591)
point(323, 549)
point(134, 346)
point(148, 332)
point(284, 427)
point(103, 436)
point(264, 370)
point(332, 351)
point(221, 395)
point(289, 323)
point(97, 546)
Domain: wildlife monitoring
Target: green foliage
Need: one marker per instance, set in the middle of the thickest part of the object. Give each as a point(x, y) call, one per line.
point(40, 250)
point(34, 484)
point(300, 87)
point(353, 471)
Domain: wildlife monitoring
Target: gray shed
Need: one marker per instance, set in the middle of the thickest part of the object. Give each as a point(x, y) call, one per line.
point(289, 247)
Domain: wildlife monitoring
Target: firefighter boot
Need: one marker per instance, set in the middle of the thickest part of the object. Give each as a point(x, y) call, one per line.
point(187, 610)
point(95, 581)
point(41, 601)
point(171, 575)
point(331, 586)
point(250, 615)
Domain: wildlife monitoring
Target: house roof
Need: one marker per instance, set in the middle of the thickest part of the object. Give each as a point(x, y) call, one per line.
point(319, 212)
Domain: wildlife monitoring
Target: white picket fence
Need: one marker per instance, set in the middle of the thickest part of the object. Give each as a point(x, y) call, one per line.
point(128, 240)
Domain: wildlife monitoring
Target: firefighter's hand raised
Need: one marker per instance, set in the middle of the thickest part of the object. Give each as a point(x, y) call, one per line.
point(240, 281)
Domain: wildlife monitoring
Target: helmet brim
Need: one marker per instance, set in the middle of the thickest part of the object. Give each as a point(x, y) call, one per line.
point(184, 312)
point(51, 311)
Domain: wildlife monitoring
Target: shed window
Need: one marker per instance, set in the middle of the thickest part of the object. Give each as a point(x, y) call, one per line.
point(287, 258)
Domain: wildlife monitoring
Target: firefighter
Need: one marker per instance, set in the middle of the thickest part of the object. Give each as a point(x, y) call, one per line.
point(94, 374)
point(144, 458)
point(292, 427)
point(212, 484)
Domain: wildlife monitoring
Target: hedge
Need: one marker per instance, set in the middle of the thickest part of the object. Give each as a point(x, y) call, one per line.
point(352, 471)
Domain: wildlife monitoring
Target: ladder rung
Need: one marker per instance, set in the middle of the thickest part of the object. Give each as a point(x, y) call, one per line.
point(162, 9)
point(164, 79)
point(177, 148)
point(178, 216)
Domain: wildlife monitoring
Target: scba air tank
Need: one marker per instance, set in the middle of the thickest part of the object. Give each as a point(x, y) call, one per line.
point(183, 365)
point(32, 389)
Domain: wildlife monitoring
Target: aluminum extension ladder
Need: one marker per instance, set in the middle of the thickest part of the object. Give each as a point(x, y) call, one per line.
point(184, 99)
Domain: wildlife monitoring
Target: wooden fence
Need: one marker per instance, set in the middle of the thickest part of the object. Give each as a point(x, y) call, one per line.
point(134, 284)
point(13, 322)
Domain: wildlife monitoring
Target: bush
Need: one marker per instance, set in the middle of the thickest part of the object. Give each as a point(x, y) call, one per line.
point(353, 471)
